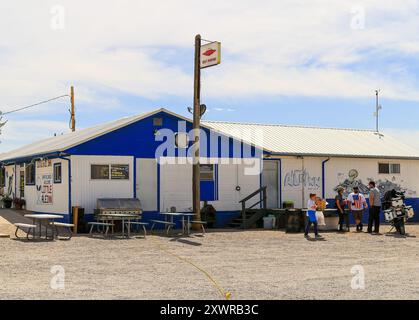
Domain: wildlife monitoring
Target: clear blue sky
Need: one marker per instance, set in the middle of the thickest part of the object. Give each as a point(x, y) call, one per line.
point(293, 62)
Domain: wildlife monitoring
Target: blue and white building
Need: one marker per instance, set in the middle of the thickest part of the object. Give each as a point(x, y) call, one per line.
point(139, 157)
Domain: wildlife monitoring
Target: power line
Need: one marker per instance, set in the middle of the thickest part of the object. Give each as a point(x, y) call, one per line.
point(34, 105)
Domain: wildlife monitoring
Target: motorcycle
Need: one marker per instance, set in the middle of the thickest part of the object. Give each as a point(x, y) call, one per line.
point(396, 212)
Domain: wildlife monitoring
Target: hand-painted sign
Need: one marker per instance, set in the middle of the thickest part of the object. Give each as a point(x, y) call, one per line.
point(210, 54)
point(299, 178)
point(44, 186)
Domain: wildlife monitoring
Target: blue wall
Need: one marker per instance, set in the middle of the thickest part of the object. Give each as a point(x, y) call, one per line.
point(138, 139)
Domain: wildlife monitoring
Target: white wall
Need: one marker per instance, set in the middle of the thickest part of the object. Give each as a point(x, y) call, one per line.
point(146, 183)
point(337, 172)
point(85, 191)
point(10, 172)
point(176, 184)
point(59, 190)
point(300, 177)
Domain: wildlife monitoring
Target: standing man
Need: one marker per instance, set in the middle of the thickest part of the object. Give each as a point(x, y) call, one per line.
point(357, 205)
point(340, 206)
point(375, 207)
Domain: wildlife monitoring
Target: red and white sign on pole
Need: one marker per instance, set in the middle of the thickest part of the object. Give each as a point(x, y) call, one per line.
point(210, 54)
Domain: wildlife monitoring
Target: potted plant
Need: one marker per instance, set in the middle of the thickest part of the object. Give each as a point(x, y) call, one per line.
point(19, 203)
point(7, 201)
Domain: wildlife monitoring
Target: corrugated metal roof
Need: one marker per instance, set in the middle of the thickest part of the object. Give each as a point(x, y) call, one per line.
point(301, 140)
point(278, 139)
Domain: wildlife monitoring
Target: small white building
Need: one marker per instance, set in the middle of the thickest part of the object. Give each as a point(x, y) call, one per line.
point(123, 159)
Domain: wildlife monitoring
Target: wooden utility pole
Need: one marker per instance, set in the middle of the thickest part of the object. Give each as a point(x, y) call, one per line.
point(73, 115)
point(196, 195)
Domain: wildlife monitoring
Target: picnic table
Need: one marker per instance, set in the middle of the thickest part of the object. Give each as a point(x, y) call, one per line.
point(38, 218)
point(122, 217)
point(186, 223)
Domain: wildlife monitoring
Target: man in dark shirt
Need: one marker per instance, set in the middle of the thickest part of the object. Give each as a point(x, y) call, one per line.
point(340, 206)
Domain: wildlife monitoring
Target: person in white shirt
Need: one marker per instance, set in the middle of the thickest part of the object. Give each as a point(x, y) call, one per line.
point(311, 216)
point(357, 204)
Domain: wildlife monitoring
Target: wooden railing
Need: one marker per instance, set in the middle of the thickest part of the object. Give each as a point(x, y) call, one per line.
point(263, 199)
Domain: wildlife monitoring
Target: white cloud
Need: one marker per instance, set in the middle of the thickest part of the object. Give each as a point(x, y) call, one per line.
point(289, 47)
point(16, 133)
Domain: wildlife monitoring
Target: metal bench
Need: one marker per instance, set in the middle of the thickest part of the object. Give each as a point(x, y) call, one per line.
point(99, 224)
point(63, 225)
point(201, 223)
point(29, 227)
point(137, 223)
point(167, 224)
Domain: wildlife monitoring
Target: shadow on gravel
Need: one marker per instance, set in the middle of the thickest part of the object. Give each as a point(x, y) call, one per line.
point(189, 242)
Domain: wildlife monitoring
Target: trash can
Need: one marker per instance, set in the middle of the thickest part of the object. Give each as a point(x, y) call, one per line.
point(269, 222)
point(295, 220)
point(78, 220)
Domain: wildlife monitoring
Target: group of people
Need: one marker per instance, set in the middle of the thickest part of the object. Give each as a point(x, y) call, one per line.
point(357, 205)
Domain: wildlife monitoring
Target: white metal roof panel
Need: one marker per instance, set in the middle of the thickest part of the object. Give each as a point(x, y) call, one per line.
point(301, 140)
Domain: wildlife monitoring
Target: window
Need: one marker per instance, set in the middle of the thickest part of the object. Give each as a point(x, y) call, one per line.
point(395, 168)
point(206, 172)
point(181, 140)
point(119, 172)
point(2, 177)
point(30, 174)
point(389, 168)
point(99, 171)
point(57, 173)
point(112, 171)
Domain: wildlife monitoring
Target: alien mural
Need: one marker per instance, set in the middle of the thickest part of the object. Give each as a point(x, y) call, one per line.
point(351, 180)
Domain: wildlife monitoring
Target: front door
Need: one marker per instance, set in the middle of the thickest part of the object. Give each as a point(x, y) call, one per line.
point(270, 180)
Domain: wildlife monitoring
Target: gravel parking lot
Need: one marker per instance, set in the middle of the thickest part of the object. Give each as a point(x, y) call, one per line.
point(254, 264)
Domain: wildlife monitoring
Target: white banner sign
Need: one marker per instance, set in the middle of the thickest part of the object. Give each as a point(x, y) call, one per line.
point(210, 54)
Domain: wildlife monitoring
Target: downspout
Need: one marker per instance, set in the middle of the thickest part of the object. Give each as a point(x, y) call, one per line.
point(323, 177)
point(69, 185)
point(15, 178)
point(280, 182)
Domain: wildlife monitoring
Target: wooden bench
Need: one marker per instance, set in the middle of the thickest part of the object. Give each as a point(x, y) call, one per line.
point(100, 224)
point(137, 223)
point(29, 227)
point(167, 224)
point(201, 223)
point(63, 225)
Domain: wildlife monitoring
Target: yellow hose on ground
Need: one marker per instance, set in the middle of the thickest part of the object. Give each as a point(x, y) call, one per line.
point(224, 294)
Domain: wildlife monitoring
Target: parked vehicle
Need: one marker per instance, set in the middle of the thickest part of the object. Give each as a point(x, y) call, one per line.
point(396, 212)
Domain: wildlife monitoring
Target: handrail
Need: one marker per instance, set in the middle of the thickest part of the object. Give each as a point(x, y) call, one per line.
point(260, 191)
point(253, 194)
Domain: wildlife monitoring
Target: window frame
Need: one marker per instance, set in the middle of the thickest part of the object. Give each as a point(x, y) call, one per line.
point(390, 166)
point(120, 165)
point(102, 165)
point(27, 181)
point(56, 165)
point(212, 172)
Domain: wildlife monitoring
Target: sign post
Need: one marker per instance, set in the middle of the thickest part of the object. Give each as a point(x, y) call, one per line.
point(206, 56)
point(196, 196)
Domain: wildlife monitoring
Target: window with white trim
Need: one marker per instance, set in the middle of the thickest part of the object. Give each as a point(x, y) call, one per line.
point(206, 172)
point(57, 172)
point(389, 168)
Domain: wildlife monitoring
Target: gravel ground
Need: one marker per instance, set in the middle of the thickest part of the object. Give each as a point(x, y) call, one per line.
point(254, 264)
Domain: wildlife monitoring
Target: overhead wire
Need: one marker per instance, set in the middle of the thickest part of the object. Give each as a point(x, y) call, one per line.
point(33, 105)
